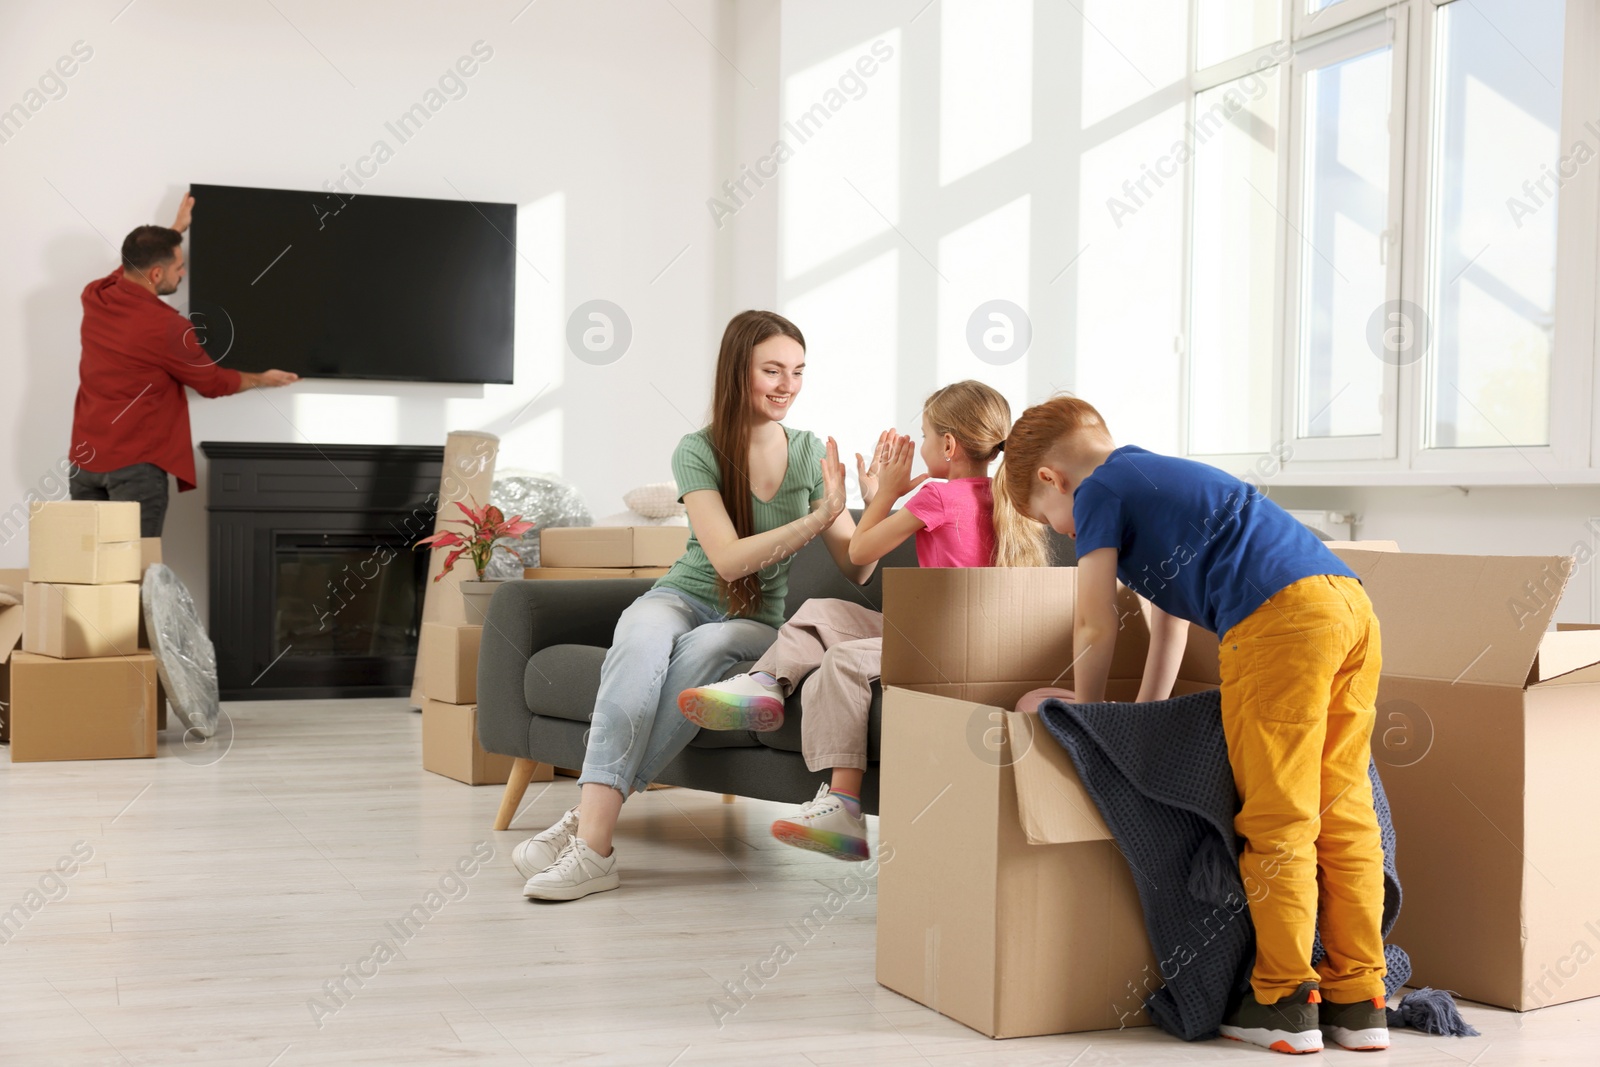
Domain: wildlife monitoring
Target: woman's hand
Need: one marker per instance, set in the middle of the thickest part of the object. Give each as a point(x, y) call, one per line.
point(895, 476)
point(833, 486)
point(867, 475)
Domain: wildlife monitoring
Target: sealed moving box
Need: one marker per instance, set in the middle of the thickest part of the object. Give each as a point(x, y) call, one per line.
point(450, 747)
point(612, 546)
point(1487, 733)
point(84, 542)
point(81, 621)
point(449, 662)
point(1003, 901)
point(71, 709)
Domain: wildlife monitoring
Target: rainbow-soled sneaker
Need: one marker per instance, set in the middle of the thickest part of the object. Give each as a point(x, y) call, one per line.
point(741, 703)
point(825, 825)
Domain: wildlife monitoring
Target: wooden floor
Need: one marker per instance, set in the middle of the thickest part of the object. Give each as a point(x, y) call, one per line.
point(222, 894)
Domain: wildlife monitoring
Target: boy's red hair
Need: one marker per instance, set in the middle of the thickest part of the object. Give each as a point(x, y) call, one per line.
point(1045, 431)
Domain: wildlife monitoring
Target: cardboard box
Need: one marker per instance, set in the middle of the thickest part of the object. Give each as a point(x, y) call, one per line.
point(84, 542)
point(149, 552)
point(71, 709)
point(81, 621)
point(1486, 738)
point(568, 574)
point(1005, 904)
point(612, 546)
point(449, 666)
point(450, 747)
point(11, 622)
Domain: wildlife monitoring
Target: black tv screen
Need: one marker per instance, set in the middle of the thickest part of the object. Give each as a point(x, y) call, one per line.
point(334, 286)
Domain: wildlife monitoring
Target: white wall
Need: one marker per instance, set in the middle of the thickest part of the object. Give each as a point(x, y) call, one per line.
point(595, 116)
point(974, 163)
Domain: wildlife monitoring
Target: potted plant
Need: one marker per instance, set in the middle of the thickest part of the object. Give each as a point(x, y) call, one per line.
point(486, 528)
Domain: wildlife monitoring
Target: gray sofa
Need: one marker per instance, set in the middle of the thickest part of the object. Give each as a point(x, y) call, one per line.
point(539, 674)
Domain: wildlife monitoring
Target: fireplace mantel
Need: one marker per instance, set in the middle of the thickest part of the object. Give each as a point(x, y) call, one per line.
point(314, 589)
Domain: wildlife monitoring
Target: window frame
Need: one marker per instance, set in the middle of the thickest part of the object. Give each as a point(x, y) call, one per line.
point(1573, 455)
point(1352, 38)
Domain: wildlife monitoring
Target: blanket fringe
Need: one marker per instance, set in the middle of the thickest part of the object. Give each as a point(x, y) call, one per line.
point(1433, 1011)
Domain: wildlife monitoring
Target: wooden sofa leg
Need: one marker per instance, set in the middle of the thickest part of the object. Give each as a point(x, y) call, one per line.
point(521, 772)
point(729, 798)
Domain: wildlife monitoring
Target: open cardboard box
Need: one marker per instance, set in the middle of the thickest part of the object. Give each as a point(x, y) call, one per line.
point(1003, 902)
point(1486, 737)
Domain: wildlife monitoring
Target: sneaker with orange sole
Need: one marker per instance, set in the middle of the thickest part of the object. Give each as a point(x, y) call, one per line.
point(1359, 1027)
point(1287, 1025)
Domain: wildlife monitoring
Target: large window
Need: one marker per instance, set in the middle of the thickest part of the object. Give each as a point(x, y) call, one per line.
point(1373, 236)
point(1497, 167)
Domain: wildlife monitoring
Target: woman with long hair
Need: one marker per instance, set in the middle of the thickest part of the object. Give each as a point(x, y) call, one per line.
point(756, 493)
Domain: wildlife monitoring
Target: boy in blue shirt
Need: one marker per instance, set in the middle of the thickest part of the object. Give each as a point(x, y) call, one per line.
point(1299, 659)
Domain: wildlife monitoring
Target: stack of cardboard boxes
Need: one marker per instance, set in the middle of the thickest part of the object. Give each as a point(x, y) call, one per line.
point(83, 686)
point(447, 662)
point(572, 552)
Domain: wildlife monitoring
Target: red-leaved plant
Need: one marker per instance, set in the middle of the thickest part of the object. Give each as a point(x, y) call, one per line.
point(487, 527)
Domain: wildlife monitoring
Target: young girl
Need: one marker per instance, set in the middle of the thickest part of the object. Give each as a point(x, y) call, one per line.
point(956, 524)
point(756, 493)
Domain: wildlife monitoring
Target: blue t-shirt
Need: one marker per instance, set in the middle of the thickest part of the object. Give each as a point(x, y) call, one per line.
point(1196, 542)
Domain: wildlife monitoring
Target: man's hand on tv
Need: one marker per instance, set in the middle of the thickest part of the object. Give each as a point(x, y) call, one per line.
point(267, 379)
point(185, 209)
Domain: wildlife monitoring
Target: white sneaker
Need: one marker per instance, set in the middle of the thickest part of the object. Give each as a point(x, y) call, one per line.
point(825, 825)
point(577, 872)
point(540, 851)
point(743, 702)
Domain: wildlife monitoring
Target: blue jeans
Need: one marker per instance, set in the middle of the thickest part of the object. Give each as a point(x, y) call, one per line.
point(666, 642)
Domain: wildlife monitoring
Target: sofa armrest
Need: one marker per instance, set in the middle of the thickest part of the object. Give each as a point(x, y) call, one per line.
point(529, 615)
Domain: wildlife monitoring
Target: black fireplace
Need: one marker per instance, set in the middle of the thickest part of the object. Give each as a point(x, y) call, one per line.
point(315, 590)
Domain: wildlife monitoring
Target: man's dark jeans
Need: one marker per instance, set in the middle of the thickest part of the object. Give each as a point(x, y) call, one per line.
point(144, 482)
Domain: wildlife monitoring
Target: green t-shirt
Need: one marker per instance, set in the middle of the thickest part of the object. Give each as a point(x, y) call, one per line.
point(695, 466)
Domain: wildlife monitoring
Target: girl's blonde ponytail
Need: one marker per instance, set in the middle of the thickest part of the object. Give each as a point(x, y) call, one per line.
point(1019, 541)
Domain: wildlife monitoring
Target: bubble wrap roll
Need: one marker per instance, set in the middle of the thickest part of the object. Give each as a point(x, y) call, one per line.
point(185, 657)
point(543, 500)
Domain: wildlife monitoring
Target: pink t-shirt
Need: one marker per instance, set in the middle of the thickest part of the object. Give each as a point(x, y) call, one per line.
point(959, 516)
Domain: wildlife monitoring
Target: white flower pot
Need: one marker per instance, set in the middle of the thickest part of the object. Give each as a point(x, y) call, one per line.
point(476, 596)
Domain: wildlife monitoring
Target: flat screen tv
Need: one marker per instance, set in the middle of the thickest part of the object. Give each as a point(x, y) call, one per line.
point(333, 286)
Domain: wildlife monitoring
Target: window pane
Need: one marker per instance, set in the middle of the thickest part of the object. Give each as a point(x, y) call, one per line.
point(1229, 28)
point(1497, 166)
point(1235, 220)
point(1343, 220)
point(1313, 6)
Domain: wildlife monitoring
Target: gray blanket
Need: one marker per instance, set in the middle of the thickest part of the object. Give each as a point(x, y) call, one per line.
point(1159, 774)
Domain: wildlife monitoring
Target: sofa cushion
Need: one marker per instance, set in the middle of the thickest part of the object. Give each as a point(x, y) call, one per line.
point(562, 681)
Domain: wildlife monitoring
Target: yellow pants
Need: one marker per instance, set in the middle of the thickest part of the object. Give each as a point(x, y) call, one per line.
point(1299, 677)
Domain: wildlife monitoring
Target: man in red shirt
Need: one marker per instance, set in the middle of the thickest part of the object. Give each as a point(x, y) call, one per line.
point(132, 416)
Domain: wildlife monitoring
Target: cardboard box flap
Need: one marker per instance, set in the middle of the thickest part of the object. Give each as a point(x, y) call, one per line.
point(1473, 619)
point(1052, 804)
point(1370, 546)
point(1564, 651)
point(979, 624)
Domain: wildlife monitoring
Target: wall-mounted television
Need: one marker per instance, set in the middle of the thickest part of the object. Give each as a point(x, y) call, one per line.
point(334, 286)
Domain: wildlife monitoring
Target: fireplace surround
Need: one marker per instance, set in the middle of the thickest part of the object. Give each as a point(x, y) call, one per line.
point(314, 588)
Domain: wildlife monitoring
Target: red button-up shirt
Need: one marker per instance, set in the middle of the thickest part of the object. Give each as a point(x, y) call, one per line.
point(138, 354)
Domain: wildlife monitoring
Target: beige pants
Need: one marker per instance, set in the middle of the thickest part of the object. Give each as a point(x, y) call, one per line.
point(840, 646)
